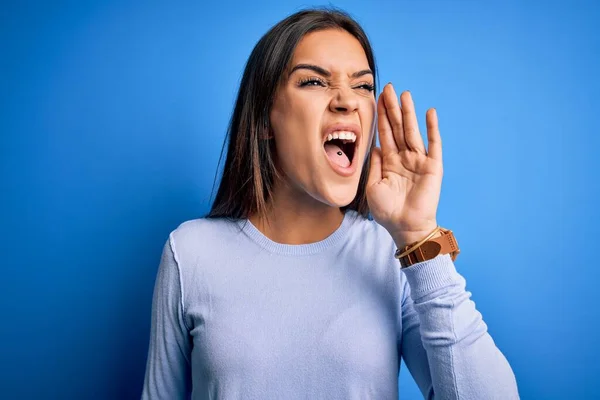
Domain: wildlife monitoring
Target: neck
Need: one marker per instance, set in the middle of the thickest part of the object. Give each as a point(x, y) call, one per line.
point(297, 218)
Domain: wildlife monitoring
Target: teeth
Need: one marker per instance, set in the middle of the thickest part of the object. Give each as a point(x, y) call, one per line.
point(342, 135)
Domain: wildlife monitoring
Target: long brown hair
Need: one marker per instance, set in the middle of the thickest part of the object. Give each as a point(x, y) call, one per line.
point(249, 172)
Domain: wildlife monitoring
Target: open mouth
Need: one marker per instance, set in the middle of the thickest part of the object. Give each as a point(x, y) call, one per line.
point(340, 148)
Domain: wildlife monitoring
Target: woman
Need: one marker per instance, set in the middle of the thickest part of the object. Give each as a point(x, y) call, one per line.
point(286, 290)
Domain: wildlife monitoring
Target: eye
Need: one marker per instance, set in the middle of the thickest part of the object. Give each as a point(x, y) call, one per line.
point(304, 82)
point(366, 86)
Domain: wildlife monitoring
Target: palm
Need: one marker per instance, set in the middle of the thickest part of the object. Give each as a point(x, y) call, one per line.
point(404, 183)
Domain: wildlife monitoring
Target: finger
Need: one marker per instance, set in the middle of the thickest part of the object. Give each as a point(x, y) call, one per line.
point(386, 135)
point(392, 108)
point(434, 140)
point(375, 172)
point(411, 127)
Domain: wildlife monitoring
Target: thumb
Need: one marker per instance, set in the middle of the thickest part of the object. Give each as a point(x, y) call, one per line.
point(375, 174)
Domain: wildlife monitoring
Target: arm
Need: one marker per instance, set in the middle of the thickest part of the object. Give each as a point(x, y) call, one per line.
point(168, 373)
point(445, 343)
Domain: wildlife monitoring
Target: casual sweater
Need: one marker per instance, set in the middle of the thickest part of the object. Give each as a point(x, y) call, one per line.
point(236, 315)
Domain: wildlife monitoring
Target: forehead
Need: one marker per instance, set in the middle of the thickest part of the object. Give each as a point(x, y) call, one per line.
point(333, 49)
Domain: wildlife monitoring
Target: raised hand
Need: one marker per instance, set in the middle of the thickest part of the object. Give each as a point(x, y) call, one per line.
point(404, 184)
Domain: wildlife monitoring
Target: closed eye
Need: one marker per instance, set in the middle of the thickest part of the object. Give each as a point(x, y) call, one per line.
point(311, 82)
point(314, 81)
point(366, 86)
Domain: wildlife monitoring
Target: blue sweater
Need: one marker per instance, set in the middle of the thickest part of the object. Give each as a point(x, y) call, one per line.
point(238, 316)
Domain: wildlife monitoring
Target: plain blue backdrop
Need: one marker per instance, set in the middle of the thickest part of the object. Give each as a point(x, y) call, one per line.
point(112, 116)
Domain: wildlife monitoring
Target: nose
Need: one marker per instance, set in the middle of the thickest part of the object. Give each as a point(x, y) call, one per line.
point(344, 101)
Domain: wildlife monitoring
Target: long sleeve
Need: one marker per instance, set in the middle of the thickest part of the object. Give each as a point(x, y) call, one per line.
point(445, 342)
point(168, 365)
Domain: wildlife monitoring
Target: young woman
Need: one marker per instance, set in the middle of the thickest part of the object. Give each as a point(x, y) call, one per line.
point(287, 290)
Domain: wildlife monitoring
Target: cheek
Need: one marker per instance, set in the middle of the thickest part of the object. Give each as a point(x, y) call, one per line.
point(367, 118)
point(292, 145)
point(297, 128)
point(369, 112)
point(295, 152)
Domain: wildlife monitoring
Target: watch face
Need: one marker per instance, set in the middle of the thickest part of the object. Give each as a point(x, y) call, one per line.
point(430, 250)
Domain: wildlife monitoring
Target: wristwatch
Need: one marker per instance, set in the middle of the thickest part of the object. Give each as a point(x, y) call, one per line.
point(444, 244)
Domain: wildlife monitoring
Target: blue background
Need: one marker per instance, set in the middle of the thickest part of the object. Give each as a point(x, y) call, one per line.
point(112, 116)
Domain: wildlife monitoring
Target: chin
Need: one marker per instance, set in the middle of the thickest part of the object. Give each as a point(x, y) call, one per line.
point(339, 196)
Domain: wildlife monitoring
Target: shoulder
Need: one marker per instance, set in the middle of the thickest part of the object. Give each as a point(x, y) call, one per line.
point(369, 234)
point(371, 243)
point(201, 237)
point(191, 230)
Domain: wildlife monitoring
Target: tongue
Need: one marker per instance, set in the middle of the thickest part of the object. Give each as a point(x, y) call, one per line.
point(333, 152)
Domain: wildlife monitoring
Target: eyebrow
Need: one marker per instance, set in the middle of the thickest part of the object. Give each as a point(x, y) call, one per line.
point(325, 73)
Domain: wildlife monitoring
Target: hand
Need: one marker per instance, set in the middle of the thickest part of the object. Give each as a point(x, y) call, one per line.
point(405, 180)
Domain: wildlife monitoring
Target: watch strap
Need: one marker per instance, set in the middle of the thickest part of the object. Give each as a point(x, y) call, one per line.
point(444, 244)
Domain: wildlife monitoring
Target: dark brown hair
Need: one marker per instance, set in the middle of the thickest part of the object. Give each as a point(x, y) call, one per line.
point(249, 172)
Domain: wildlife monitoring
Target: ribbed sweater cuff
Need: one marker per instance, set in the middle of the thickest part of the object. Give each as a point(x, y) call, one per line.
point(428, 276)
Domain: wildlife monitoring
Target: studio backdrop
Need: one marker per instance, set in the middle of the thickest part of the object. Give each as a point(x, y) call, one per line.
point(112, 118)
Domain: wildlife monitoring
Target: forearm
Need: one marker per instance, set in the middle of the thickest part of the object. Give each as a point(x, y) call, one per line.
point(463, 359)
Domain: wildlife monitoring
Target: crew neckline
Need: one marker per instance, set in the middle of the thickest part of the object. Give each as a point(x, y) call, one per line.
point(299, 249)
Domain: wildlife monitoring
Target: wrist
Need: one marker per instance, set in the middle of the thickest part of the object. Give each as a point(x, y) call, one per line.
point(405, 238)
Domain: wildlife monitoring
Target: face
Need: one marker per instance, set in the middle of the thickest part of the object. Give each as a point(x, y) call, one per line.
point(327, 94)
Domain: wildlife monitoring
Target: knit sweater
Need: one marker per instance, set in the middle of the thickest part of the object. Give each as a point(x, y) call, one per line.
point(236, 315)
